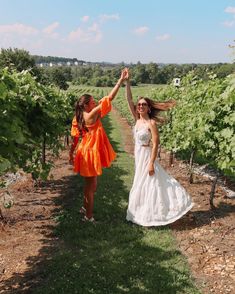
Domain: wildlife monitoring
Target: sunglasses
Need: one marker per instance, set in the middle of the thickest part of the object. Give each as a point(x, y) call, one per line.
point(142, 104)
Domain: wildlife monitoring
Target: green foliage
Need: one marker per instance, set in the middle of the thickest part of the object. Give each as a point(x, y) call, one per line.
point(152, 73)
point(102, 74)
point(58, 76)
point(31, 113)
point(18, 59)
point(203, 119)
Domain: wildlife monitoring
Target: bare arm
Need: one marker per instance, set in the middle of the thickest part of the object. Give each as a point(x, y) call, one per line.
point(92, 116)
point(155, 141)
point(129, 99)
point(115, 89)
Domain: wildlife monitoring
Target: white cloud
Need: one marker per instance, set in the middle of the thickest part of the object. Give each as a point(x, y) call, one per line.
point(85, 18)
point(230, 9)
point(229, 23)
point(24, 36)
point(92, 34)
point(106, 17)
point(19, 29)
point(141, 30)
point(49, 31)
point(163, 37)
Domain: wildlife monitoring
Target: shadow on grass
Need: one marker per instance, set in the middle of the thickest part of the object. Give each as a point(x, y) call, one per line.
point(111, 256)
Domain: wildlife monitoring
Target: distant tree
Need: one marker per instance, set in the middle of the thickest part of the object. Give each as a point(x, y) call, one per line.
point(166, 74)
point(152, 69)
point(97, 82)
point(97, 71)
point(140, 74)
point(67, 74)
point(18, 59)
point(225, 70)
point(54, 59)
point(58, 76)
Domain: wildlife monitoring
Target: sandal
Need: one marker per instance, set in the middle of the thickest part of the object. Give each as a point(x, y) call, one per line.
point(90, 220)
point(82, 210)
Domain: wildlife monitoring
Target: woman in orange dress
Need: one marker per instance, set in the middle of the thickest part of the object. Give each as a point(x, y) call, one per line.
point(94, 151)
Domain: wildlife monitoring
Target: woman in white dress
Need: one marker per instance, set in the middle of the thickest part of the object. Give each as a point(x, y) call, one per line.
point(156, 198)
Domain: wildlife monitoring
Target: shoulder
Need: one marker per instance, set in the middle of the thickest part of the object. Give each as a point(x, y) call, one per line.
point(153, 126)
point(152, 123)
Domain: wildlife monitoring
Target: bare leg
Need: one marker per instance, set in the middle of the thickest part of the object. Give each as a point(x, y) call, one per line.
point(89, 190)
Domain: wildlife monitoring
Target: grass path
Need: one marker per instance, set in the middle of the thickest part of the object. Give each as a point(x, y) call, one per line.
point(113, 256)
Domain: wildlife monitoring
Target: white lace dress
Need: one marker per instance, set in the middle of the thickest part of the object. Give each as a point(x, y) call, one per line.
point(158, 199)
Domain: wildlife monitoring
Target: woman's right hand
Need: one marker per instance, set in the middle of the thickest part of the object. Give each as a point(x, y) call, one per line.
point(151, 169)
point(122, 78)
point(124, 74)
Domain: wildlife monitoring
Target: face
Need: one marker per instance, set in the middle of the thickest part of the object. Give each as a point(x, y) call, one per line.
point(91, 104)
point(142, 106)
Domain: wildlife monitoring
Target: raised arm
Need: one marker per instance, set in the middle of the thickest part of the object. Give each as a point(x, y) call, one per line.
point(115, 89)
point(94, 113)
point(129, 97)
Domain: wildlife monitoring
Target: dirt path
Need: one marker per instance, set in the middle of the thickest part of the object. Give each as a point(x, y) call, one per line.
point(205, 237)
point(27, 238)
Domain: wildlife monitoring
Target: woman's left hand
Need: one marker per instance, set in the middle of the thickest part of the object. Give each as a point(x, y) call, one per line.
point(151, 169)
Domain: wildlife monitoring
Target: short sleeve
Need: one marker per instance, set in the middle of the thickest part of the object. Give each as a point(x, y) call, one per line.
point(106, 105)
point(74, 128)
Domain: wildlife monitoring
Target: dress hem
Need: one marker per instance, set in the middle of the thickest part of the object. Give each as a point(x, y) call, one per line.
point(161, 223)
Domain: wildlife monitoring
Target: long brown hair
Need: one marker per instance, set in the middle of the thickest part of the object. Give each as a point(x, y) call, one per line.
point(79, 108)
point(155, 108)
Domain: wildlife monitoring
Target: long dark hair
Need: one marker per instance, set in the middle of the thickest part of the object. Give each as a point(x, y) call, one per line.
point(155, 108)
point(79, 108)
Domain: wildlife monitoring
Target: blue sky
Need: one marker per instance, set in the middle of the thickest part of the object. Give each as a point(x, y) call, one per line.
point(168, 31)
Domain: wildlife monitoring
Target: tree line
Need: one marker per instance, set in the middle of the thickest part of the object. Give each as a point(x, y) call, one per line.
point(105, 74)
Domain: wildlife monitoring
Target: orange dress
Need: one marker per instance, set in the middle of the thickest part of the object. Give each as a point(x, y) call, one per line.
point(75, 134)
point(74, 128)
point(95, 151)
